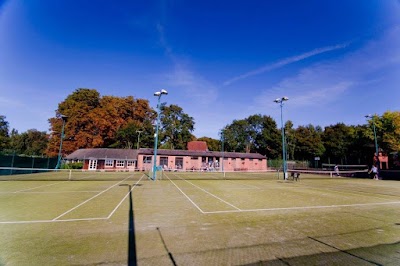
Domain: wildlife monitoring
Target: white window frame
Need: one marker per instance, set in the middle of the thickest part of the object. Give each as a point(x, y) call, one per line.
point(130, 163)
point(147, 159)
point(109, 163)
point(164, 160)
point(92, 165)
point(120, 163)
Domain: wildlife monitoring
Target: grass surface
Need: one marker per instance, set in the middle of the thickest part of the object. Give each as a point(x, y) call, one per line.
point(187, 220)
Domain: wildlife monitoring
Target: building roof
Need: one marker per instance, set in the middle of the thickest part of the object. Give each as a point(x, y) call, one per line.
point(103, 153)
point(197, 146)
point(123, 154)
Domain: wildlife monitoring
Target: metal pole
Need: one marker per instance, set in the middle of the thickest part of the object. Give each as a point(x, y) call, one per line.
point(376, 141)
point(375, 138)
point(61, 142)
point(138, 138)
point(283, 143)
point(222, 161)
point(156, 139)
point(376, 144)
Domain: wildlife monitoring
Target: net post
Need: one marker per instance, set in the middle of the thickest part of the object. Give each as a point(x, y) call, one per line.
point(70, 175)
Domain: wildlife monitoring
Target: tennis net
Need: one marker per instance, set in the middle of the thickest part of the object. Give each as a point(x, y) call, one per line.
point(40, 174)
point(325, 173)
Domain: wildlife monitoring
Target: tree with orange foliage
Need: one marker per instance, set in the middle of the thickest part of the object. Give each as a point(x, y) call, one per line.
point(93, 121)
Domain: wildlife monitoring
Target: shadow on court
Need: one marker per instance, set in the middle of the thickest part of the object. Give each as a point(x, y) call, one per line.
point(385, 254)
point(132, 260)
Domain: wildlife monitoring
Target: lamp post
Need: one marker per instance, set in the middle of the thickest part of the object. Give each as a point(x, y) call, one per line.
point(280, 101)
point(157, 94)
point(138, 138)
point(222, 149)
point(376, 141)
point(64, 119)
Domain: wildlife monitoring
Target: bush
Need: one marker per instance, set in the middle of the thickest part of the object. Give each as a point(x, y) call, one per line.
point(72, 165)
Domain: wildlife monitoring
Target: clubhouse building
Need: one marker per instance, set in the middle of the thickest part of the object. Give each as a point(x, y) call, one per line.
point(196, 158)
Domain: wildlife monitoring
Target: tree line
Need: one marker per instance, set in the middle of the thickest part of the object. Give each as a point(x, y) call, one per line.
point(95, 121)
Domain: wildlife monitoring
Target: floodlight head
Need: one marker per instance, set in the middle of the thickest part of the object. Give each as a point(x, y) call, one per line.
point(284, 98)
point(164, 92)
point(368, 116)
point(157, 93)
point(277, 100)
point(63, 117)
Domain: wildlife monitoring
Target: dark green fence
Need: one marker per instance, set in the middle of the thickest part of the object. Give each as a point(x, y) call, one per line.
point(27, 161)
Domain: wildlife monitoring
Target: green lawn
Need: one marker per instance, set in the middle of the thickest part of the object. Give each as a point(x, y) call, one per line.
point(194, 219)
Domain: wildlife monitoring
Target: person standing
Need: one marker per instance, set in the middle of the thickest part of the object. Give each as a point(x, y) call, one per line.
point(336, 168)
point(374, 172)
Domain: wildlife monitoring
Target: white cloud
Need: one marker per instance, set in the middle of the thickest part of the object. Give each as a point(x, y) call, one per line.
point(10, 103)
point(196, 89)
point(323, 83)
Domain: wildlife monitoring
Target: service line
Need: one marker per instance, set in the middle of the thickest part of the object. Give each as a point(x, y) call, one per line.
point(86, 201)
point(305, 207)
point(224, 201)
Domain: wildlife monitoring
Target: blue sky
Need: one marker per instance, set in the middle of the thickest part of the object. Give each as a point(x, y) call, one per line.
point(219, 60)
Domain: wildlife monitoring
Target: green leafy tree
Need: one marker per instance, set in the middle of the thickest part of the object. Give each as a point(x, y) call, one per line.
point(389, 129)
point(308, 142)
point(257, 133)
point(268, 137)
point(176, 127)
point(337, 141)
point(361, 149)
point(212, 144)
point(31, 142)
point(236, 138)
point(290, 133)
point(4, 137)
point(129, 135)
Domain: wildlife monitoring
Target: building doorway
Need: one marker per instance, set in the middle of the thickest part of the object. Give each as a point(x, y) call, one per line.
point(92, 165)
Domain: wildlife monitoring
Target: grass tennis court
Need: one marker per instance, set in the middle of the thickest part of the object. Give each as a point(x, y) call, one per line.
point(192, 219)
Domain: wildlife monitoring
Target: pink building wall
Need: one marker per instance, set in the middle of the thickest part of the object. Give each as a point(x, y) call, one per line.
point(189, 163)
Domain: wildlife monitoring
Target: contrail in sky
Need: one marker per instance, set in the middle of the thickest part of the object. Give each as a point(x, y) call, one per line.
point(284, 62)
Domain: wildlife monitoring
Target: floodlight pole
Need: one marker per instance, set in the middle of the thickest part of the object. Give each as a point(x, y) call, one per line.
point(222, 147)
point(375, 138)
point(157, 94)
point(280, 101)
point(64, 119)
point(138, 138)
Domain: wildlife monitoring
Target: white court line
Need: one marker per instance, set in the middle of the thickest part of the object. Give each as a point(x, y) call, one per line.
point(77, 206)
point(249, 186)
point(54, 221)
point(52, 184)
point(127, 194)
point(209, 194)
point(48, 185)
point(186, 196)
point(55, 192)
point(307, 207)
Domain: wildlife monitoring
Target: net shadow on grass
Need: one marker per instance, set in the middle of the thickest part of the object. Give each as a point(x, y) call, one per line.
point(383, 254)
point(341, 257)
